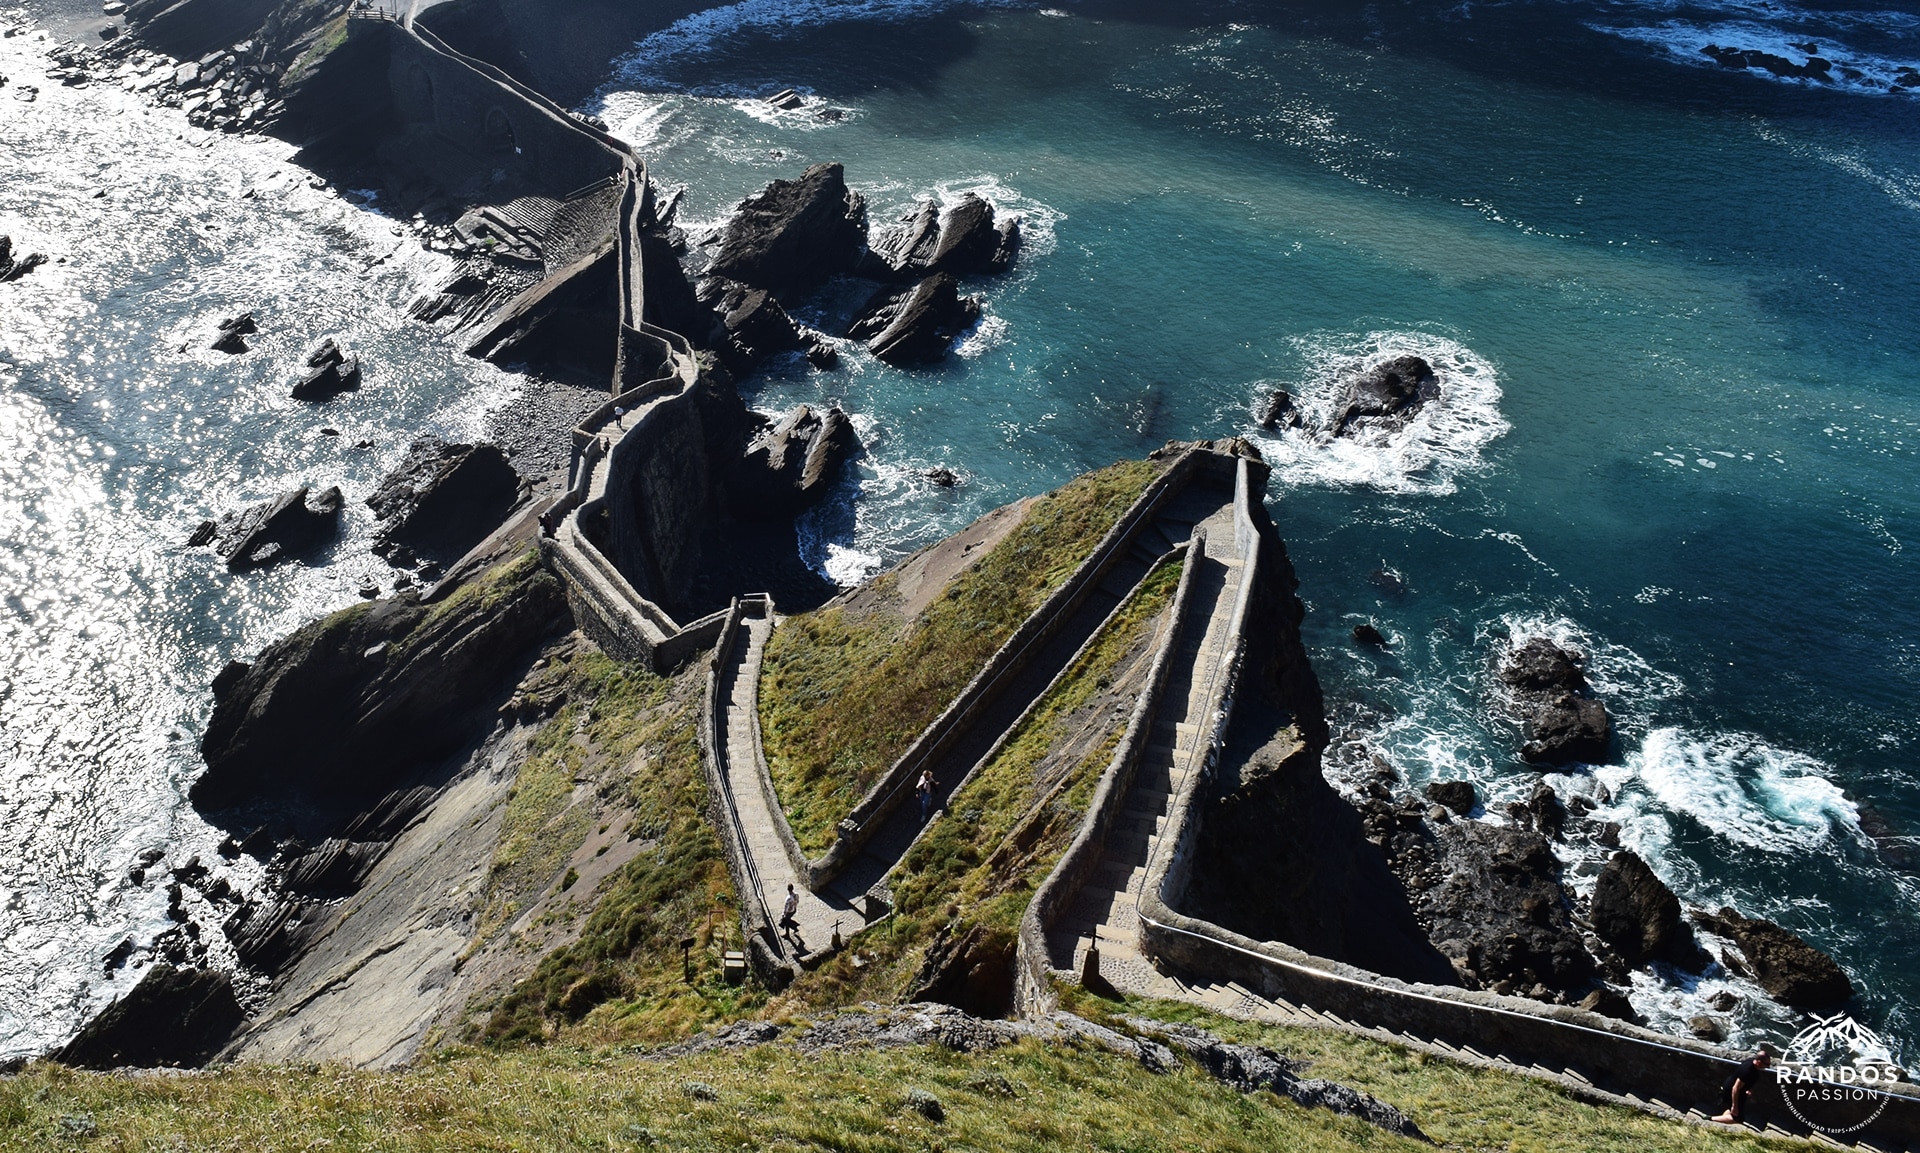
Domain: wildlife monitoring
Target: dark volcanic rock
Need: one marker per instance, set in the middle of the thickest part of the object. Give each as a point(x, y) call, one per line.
point(1490, 898)
point(1565, 723)
point(1539, 665)
point(345, 708)
point(917, 325)
point(333, 371)
point(752, 326)
point(172, 1017)
point(1368, 635)
point(233, 333)
point(13, 268)
point(444, 498)
point(1568, 729)
point(1637, 914)
point(1455, 795)
point(285, 527)
point(794, 234)
point(790, 466)
point(1387, 393)
point(1815, 68)
point(965, 242)
point(1788, 968)
point(1541, 812)
point(1281, 411)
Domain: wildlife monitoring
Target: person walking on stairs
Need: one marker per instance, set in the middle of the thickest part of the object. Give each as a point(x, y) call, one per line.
point(1739, 1086)
point(789, 926)
point(925, 789)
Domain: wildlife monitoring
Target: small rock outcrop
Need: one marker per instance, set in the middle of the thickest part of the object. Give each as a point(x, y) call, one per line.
point(443, 499)
point(1281, 411)
point(1788, 968)
point(916, 325)
point(1541, 811)
point(965, 241)
point(1814, 68)
point(789, 466)
point(332, 371)
point(234, 332)
point(178, 1017)
point(1385, 394)
point(1635, 913)
point(753, 326)
point(795, 234)
point(12, 267)
point(1455, 796)
point(288, 526)
point(1565, 723)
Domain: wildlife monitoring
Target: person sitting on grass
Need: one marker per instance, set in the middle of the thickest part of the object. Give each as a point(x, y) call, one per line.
point(1739, 1086)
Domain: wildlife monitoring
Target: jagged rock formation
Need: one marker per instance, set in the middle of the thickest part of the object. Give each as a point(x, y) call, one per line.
point(795, 233)
point(1565, 723)
point(1634, 912)
point(443, 499)
point(233, 334)
point(1457, 796)
point(290, 525)
point(1788, 968)
point(1490, 899)
point(332, 372)
point(966, 241)
point(12, 267)
point(789, 467)
point(172, 1017)
point(334, 715)
point(753, 326)
point(916, 325)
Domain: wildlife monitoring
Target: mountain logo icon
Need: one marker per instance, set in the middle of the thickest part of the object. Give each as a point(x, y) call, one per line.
point(1832, 1072)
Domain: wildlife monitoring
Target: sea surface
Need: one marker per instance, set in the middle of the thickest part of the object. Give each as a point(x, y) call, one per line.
point(1675, 309)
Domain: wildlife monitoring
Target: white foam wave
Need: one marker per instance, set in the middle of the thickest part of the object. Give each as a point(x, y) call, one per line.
point(1442, 441)
point(1736, 785)
point(653, 62)
point(985, 336)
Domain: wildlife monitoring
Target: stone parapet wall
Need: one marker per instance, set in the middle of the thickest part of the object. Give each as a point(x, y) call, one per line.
point(1032, 991)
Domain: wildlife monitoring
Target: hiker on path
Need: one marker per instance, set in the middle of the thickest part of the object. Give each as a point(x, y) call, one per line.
point(925, 789)
point(789, 927)
point(1739, 1086)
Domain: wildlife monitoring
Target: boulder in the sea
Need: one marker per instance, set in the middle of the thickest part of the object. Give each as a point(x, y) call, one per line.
point(234, 332)
point(752, 326)
point(795, 233)
point(916, 325)
point(443, 498)
point(1368, 635)
point(1386, 393)
point(1540, 665)
point(790, 465)
point(1457, 796)
point(1567, 730)
point(1788, 968)
point(12, 267)
point(965, 240)
point(287, 526)
point(942, 477)
point(331, 371)
point(1281, 411)
point(1634, 912)
point(178, 1017)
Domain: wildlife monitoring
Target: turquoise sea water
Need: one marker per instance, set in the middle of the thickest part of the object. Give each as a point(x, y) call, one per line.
point(1674, 308)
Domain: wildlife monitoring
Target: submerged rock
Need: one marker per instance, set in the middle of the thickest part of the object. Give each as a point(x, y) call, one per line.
point(1788, 968)
point(795, 233)
point(172, 1017)
point(916, 325)
point(443, 498)
point(790, 465)
point(288, 526)
point(1385, 394)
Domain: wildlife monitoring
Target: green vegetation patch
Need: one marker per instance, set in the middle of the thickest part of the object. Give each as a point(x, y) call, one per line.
point(1026, 1096)
point(965, 884)
point(844, 692)
point(633, 736)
